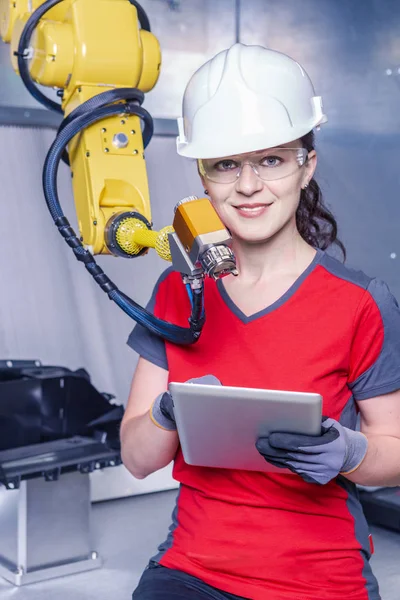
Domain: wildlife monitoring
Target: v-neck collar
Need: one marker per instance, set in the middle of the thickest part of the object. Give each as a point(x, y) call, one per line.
point(284, 298)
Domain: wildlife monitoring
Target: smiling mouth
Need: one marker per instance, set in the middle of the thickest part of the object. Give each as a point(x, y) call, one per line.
point(251, 207)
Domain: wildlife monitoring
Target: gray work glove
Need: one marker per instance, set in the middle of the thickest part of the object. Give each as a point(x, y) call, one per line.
point(317, 459)
point(162, 409)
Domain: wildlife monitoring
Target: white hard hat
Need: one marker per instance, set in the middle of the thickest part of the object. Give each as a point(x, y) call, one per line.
point(244, 99)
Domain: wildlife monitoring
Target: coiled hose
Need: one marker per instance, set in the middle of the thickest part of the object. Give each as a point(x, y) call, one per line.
point(110, 103)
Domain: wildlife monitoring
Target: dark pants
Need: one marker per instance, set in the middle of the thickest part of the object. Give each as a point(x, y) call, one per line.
point(160, 583)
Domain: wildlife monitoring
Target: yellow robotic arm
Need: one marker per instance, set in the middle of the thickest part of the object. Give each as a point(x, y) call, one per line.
point(101, 62)
point(85, 47)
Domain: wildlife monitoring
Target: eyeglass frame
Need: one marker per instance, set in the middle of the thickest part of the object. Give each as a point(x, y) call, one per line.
point(253, 166)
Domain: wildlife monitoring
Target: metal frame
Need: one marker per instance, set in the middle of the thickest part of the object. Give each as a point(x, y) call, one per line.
point(45, 529)
point(37, 117)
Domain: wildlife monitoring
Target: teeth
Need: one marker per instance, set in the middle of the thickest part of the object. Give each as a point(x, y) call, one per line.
point(248, 209)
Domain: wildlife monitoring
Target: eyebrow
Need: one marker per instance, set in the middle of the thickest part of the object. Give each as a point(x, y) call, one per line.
point(256, 153)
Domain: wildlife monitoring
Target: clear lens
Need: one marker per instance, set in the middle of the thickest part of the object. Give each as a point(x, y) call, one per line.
point(269, 165)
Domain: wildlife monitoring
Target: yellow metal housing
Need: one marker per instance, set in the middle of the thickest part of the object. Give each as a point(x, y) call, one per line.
point(19, 17)
point(151, 61)
point(195, 218)
point(10, 10)
point(86, 47)
point(53, 57)
point(107, 180)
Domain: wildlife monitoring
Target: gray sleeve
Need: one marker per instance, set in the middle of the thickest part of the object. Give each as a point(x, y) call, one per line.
point(147, 344)
point(383, 376)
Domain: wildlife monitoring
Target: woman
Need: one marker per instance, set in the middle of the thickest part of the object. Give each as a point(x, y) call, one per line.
point(294, 319)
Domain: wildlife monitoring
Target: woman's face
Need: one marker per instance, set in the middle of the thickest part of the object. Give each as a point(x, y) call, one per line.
point(255, 209)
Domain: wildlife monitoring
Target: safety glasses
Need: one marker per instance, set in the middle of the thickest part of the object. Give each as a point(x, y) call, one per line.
point(268, 165)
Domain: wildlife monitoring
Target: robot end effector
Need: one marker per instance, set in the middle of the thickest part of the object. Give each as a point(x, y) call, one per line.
point(197, 243)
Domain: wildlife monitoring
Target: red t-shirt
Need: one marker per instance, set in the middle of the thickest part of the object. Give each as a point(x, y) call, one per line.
point(273, 536)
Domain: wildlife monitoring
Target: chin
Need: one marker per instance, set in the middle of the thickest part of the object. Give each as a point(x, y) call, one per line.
point(259, 237)
point(252, 231)
point(256, 241)
point(258, 231)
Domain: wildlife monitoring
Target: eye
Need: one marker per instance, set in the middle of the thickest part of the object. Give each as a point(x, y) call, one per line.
point(271, 161)
point(226, 165)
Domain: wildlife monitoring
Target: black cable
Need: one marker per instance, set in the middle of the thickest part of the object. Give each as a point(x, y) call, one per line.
point(130, 94)
point(102, 100)
point(142, 16)
point(197, 317)
point(168, 331)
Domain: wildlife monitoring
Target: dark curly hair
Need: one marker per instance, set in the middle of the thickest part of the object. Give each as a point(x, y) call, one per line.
point(315, 223)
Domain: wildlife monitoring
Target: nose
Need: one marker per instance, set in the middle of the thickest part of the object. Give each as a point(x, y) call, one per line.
point(248, 182)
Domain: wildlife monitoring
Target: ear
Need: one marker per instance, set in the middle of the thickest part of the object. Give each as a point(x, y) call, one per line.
point(310, 167)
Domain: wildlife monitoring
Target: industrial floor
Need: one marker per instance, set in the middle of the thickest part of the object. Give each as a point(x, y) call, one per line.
point(127, 532)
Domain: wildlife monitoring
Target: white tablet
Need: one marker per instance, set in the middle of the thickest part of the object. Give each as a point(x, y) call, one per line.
point(218, 425)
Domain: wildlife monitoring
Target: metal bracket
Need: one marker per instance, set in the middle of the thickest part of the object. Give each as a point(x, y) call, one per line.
point(180, 258)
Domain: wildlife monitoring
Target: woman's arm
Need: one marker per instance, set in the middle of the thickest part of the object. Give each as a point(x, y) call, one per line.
point(380, 422)
point(145, 447)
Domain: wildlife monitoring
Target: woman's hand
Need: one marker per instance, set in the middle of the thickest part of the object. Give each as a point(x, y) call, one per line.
point(162, 410)
point(317, 459)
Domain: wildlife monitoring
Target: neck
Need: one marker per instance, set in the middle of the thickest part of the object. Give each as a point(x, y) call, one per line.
point(277, 256)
